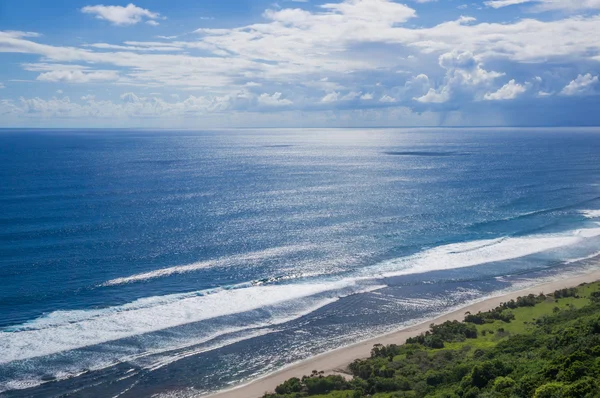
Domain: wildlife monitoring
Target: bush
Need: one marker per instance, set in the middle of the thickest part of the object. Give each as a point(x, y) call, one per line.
point(564, 293)
point(323, 385)
point(550, 390)
point(289, 386)
point(487, 371)
point(582, 388)
point(503, 384)
point(449, 331)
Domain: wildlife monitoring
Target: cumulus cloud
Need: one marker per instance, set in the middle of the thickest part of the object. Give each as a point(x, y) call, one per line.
point(463, 73)
point(436, 97)
point(328, 54)
point(118, 15)
point(273, 100)
point(294, 45)
point(510, 90)
point(582, 85)
point(2, 86)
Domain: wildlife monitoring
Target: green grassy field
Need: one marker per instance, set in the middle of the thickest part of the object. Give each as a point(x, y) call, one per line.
point(544, 346)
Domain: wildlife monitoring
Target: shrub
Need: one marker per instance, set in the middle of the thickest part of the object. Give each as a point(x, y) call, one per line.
point(486, 371)
point(323, 385)
point(289, 386)
point(582, 388)
point(502, 384)
point(550, 390)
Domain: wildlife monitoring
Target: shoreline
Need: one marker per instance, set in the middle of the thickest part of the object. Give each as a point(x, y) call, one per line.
point(336, 361)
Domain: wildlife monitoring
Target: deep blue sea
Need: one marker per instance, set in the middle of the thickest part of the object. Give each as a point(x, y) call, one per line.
point(182, 262)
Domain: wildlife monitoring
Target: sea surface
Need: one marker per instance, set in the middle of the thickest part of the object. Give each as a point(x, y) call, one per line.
point(176, 263)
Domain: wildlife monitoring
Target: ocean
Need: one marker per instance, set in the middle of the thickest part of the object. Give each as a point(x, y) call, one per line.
point(176, 263)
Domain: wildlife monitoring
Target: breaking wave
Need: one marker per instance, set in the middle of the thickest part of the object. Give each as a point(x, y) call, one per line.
point(590, 213)
point(468, 254)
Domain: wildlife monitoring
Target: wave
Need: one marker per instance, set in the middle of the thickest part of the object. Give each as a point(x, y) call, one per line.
point(155, 331)
point(590, 213)
point(229, 261)
point(67, 330)
point(468, 254)
point(584, 258)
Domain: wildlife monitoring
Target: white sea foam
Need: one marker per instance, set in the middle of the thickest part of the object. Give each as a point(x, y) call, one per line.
point(591, 213)
point(468, 254)
point(68, 330)
point(229, 261)
point(588, 257)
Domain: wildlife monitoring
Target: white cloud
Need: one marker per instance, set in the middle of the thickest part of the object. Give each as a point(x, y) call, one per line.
point(330, 97)
point(78, 76)
point(118, 15)
point(59, 92)
point(2, 86)
point(547, 5)
point(387, 99)
point(463, 73)
point(294, 46)
point(141, 46)
point(582, 85)
point(504, 3)
point(214, 111)
point(352, 95)
point(354, 42)
point(19, 34)
point(542, 94)
point(133, 105)
point(335, 96)
point(436, 97)
point(152, 22)
point(510, 90)
point(273, 100)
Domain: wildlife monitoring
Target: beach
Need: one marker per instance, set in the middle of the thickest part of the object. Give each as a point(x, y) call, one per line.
point(337, 360)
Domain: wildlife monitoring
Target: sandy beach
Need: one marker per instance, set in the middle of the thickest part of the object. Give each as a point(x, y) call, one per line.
point(337, 360)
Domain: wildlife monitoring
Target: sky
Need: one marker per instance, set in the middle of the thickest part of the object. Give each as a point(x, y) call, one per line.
point(299, 63)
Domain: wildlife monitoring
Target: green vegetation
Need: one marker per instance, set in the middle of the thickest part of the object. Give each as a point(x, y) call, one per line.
point(545, 346)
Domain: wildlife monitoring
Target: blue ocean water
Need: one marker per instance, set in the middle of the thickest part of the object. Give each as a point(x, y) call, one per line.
point(145, 262)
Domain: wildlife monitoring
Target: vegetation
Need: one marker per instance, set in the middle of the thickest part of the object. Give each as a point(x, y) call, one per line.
point(535, 346)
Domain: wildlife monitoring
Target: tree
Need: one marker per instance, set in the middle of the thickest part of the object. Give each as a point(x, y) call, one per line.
point(550, 390)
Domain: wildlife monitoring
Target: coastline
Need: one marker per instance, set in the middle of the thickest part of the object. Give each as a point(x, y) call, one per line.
point(337, 360)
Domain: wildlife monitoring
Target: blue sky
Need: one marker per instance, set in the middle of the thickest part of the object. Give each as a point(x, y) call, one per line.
point(242, 63)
